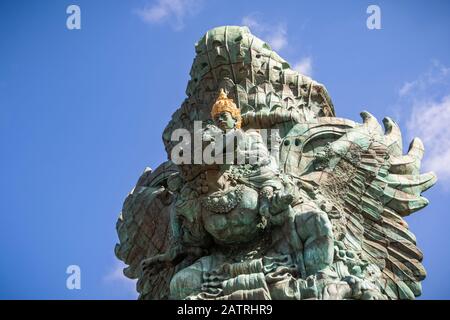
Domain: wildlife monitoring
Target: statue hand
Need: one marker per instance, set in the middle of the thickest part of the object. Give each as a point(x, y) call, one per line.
point(280, 202)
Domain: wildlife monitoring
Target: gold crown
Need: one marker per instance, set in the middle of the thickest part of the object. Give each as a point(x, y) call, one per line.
point(225, 104)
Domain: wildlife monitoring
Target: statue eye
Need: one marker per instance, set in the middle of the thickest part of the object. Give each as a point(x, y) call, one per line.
point(222, 116)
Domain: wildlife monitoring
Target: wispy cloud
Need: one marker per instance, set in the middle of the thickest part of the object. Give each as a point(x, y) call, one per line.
point(172, 12)
point(426, 101)
point(437, 74)
point(406, 88)
point(304, 66)
point(275, 35)
point(430, 121)
point(116, 279)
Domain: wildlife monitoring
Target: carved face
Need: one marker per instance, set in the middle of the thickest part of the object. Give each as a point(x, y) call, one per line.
point(225, 121)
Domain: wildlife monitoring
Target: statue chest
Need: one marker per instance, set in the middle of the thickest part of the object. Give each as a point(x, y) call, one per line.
point(231, 216)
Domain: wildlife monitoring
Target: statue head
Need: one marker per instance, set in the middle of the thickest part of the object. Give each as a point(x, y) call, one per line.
point(225, 113)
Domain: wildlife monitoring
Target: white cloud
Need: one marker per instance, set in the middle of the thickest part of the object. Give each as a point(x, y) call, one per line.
point(304, 66)
point(172, 11)
point(274, 35)
point(115, 278)
point(430, 121)
point(406, 89)
point(277, 38)
point(426, 101)
point(437, 75)
point(252, 23)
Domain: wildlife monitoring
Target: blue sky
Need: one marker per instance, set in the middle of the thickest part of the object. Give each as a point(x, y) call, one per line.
point(82, 113)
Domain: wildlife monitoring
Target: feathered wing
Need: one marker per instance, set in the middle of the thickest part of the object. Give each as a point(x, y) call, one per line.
point(372, 186)
point(143, 228)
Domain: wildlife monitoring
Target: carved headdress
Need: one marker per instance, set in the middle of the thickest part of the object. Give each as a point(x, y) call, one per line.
point(225, 104)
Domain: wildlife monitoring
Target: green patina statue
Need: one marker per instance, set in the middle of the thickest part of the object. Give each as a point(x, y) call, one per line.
point(315, 213)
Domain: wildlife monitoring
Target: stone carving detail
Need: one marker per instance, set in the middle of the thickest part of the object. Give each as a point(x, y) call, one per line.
point(322, 219)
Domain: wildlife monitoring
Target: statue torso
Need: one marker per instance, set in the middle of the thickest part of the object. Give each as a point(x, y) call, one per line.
point(231, 216)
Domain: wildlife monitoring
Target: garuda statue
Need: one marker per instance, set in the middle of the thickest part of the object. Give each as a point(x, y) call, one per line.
point(315, 212)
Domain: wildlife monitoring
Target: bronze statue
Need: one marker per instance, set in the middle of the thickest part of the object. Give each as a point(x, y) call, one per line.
point(314, 213)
